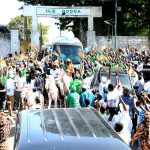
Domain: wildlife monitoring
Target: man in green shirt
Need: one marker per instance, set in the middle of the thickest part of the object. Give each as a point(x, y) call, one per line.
point(73, 98)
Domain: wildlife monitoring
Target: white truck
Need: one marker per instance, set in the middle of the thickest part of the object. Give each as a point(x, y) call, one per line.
point(68, 48)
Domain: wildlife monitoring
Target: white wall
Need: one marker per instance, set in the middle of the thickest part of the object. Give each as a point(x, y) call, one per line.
point(138, 42)
point(15, 43)
point(4, 46)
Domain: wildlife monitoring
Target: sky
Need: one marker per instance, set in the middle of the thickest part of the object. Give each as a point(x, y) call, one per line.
point(9, 9)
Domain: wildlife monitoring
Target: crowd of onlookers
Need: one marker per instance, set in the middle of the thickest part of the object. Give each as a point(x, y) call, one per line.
point(126, 110)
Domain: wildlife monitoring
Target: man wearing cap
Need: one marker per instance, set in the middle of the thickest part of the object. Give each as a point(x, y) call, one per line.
point(73, 98)
point(55, 71)
point(70, 68)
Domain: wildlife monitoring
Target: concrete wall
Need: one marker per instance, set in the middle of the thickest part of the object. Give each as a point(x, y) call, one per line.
point(9, 44)
point(4, 45)
point(138, 42)
point(15, 43)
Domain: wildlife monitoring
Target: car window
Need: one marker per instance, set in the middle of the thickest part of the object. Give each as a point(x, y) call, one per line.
point(124, 79)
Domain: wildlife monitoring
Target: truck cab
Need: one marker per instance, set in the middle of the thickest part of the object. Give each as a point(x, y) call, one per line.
point(68, 48)
point(65, 128)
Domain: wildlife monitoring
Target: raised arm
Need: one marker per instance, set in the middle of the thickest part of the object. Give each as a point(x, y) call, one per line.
point(134, 105)
point(99, 75)
point(123, 104)
point(109, 72)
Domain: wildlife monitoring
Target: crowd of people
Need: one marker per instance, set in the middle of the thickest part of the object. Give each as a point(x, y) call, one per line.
point(23, 85)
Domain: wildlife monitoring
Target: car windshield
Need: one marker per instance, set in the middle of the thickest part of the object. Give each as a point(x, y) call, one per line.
point(124, 79)
point(72, 52)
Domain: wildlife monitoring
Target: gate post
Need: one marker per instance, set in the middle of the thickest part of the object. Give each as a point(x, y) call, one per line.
point(34, 33)
point(91, 37)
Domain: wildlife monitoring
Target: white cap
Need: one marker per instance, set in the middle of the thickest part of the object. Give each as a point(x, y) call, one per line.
point(104, 79)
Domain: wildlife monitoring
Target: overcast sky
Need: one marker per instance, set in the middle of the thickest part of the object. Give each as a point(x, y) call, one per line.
point(8, 10)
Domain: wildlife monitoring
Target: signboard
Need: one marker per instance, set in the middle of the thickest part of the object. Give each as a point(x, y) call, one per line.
point(63, 11)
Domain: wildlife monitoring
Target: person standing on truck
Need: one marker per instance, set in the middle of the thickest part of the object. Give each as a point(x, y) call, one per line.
point(70, 68)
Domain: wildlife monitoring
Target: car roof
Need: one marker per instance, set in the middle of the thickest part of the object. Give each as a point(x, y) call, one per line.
point(115, 70)
point(63, 40)
point(64, 128)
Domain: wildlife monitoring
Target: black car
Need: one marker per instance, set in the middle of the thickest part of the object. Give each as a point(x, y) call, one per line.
point(122, 74)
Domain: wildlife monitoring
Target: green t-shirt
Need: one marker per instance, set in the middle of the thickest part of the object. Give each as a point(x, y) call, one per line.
point(24, 73)
point(93, 59)
point(4, 80)
point(73, 100)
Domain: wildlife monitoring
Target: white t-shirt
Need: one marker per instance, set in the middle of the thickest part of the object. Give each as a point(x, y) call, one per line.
point(125, 135)
point(122, 117)
point(140, 67)
point(147, 87)
point(32, 83)
point(103, 85)
point(20, 82)
point(87, 81)
point(140, 85)
point(10, 87)
point(112, 99)
point(55, 73)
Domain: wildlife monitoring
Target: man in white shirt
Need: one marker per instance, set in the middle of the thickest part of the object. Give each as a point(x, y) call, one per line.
point(112, 101)
point(147, 88)
point(87, 80)
point(20, 82)
point(10, 86)
point(139, 86)
point(103, 83)
point(56, 74)
point(122, 122)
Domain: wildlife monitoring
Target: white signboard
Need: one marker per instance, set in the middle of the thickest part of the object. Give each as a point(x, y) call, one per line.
point(62, 11)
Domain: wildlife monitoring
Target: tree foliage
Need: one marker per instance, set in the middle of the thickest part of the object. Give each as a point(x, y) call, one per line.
point(24, 25)
point(132, 20)
point(136, 17)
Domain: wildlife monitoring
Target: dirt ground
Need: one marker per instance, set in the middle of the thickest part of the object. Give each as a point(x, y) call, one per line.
point(12, 133)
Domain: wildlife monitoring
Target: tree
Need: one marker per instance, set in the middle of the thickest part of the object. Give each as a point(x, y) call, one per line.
point(24, 25)
point(80, 24)
point(132, 20)
point(136, 17)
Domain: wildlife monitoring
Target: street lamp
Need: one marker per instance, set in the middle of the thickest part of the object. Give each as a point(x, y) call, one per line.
point(115, 43)
point(110, 23)
point(116, 9)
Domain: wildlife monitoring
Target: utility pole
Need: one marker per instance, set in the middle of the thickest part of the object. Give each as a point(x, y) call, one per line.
point(41, 36)
point(115, 42)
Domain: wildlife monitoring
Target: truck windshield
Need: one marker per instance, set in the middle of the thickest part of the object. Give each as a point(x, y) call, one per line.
point(72, 52)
